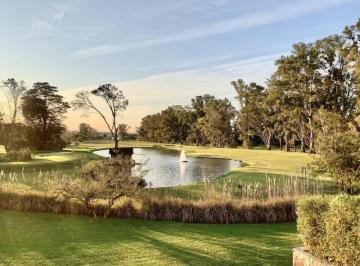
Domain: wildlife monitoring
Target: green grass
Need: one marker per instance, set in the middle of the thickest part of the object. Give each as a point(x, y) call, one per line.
point(52, 239)
point(257, 164)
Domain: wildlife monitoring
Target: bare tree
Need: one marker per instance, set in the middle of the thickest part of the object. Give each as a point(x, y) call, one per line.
point(115, 101)
point(13, 91)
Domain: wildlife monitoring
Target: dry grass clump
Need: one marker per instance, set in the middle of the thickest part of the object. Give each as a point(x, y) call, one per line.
point(153, 208)
point(218, 212)
point(222, 203)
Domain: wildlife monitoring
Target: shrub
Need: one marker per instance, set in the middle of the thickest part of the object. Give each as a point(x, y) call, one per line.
point(338, 147)
point(311, 222)
point(104, 180)
point(331, 228)
point(23, 154)
point(343, 230)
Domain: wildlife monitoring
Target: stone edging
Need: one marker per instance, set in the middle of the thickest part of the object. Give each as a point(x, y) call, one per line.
point(303, 258)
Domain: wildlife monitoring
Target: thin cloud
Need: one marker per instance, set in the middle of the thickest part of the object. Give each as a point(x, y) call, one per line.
point(189, 64)
point(177, 87)
point(248, 21)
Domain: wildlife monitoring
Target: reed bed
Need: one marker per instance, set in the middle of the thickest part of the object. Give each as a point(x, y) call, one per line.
point(223, 201)
point(226, 189)
point(165, 209)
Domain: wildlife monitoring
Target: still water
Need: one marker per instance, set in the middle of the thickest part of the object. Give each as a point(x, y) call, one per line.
point(165, 170)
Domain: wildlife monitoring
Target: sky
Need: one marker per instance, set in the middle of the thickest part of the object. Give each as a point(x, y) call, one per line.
point(159, 52)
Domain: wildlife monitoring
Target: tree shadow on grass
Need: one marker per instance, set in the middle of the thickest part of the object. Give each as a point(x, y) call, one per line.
point(65, 239)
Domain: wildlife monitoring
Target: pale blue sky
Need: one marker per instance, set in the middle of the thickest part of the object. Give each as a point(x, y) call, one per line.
point(160, 52)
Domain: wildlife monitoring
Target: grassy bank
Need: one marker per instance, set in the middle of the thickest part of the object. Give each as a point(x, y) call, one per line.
point(48, 239)
point(259, 166)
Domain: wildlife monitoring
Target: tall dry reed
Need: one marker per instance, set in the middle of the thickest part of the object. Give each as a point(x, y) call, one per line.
point(165, 209)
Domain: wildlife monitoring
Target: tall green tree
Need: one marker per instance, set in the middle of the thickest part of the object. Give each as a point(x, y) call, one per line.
point(43, 110)
point(339, 86)
point(123, 131)
point(217, 122)
point(256, 112)
point(197, 134)
point(248, 96)
point(150, 129)
point(298, 75)
point(338, 145)
point(86, 131)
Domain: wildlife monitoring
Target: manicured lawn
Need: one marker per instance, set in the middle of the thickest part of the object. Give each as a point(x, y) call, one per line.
point(52, 239)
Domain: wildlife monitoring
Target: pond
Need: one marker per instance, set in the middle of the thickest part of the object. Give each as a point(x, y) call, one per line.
point(165, 169)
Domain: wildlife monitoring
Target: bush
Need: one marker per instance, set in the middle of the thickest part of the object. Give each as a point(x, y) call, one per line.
point(338, 147)
point(104, 180)
point(21, 155)
point(331, 228)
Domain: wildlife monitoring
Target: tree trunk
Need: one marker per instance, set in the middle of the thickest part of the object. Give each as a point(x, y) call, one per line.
point(116, 139)
point(280, 142)
point(302, 144)
point(312, 137)
point(268, 143)
point(287, 146)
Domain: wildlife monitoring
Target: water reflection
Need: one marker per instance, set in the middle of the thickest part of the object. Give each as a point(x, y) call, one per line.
point(165, 170)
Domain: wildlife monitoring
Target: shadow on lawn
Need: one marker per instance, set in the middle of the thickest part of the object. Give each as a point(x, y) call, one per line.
point(29, 238)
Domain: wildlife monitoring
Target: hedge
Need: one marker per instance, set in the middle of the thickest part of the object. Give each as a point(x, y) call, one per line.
point(331, 228)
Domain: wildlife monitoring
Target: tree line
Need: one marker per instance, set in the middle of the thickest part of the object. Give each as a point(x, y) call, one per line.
point(316, 77)
point(42, 109)
point(207, 120)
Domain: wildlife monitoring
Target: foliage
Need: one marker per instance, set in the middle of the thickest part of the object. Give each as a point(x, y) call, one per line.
point(311, 223)
point(123, 131)
point(317, 75)
point(21, 155)
point(86, 132)
point(255, 115)
point(331, 227)
point(217, 122)
point(13, 91)
point(107, 180)
point(207, 120)
point(13, 136)
point(171, 125)
point(115, 101)
point(43, 110)
point(339, 148)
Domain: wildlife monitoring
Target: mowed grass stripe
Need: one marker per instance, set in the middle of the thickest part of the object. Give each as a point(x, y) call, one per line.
point(48, 239)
